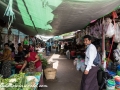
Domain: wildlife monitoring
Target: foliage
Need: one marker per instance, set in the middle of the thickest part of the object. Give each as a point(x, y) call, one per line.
point(44, 63)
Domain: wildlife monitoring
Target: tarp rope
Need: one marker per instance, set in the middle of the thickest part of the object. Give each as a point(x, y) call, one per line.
point(9, 12)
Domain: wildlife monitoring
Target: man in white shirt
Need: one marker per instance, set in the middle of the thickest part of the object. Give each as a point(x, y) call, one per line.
point(89, 78)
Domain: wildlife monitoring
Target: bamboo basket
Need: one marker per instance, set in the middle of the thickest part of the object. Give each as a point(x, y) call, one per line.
point(50, 73)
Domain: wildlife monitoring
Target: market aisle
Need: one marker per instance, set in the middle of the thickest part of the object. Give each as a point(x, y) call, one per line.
point(68, 78)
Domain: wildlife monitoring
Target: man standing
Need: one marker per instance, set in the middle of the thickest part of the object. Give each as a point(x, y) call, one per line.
point(89, 78)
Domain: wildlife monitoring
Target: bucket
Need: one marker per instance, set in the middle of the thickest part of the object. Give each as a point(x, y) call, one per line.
point(117, 83)
point(117, 78)
point(118, 67)
point(118, 72)
point(50, 73)
point(111, 82)
point(110, 88)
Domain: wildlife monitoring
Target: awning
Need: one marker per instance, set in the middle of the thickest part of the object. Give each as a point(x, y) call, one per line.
point(55, 17)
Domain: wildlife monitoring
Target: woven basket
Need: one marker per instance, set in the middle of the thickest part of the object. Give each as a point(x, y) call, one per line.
point(50, 73)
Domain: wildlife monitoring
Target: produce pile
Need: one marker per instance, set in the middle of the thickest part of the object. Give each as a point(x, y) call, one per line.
point(43, 60)
point(22, 81)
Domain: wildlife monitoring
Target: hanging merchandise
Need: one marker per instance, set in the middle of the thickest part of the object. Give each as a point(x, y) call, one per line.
point(116, 54)
point(77, 41)
point(11, 37)
point(117, 34)
point(9, 12)
point(110, 30)
point(6, 39)
point(114, 14)
point(97, 31)
point(81, 33)
point(100, 29)
point(86, 31)
point(92, 31)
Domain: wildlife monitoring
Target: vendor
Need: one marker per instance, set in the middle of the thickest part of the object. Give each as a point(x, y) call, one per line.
point(34, 58)
point(6, 61)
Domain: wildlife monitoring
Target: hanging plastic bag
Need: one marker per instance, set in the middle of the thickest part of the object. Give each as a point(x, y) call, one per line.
point(117, 34)
point(110, 30)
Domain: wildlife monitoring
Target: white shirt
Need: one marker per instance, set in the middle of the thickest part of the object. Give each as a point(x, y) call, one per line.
point(90, 55)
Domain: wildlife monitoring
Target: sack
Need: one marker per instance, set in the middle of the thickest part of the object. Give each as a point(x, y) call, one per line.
point(97, 60)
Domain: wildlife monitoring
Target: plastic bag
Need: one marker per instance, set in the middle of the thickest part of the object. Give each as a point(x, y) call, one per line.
point(83, 67)
point(117, 34)
point(75, 62)
point(78, 65)
point(110, 30)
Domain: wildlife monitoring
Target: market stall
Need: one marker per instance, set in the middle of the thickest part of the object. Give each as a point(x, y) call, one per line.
point(22, 81)
point(105, 32)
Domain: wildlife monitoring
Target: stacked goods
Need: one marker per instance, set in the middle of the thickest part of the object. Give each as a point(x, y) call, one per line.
point(110, 84)
point(117, 81)
point(118, 70)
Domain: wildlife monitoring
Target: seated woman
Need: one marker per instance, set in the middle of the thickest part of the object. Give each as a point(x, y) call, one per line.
point(6, 61)
point(32, 57)
point(12, 50)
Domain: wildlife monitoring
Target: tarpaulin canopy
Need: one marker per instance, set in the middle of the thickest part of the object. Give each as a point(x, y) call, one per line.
point(55, 17)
